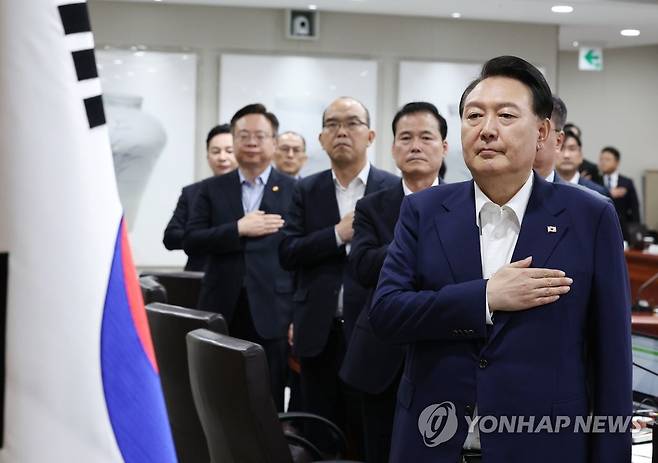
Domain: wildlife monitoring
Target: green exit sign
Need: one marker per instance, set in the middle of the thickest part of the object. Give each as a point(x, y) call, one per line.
point(590, 59)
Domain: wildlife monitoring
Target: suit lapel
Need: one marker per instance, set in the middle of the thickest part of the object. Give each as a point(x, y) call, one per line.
point(390, 206)
point(374, 182)
point(233, 192)
point(456, 224)
point(543, 227)
point(271, 193)
point(325, 199)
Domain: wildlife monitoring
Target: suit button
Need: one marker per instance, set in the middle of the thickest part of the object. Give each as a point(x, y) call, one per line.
point(469, 410)
point(470, 332)
point(483, 363)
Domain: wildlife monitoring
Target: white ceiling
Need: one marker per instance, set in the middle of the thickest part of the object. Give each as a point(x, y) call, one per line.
point(593, 22)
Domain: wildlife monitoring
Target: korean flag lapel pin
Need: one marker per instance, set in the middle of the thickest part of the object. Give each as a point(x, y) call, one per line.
point(551, 229)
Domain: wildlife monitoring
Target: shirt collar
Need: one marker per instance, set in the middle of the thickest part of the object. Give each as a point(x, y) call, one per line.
point(518, 203)
point(575, 178)
point(551, 177)
point(407, 190)
point(260, 179)
point(363, 176)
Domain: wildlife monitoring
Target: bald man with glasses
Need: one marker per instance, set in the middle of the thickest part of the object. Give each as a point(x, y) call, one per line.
point(317, 240)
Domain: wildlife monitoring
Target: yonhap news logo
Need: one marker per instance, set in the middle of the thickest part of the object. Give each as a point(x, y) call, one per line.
point(437, 423)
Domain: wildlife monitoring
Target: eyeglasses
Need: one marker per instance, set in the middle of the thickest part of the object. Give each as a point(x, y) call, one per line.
point(351, 125)
point(260, 137)
point(294, 149)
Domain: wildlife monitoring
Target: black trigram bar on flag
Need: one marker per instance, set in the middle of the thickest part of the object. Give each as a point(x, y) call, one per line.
point(75, 20)
point(4, 278)
point(85, 64)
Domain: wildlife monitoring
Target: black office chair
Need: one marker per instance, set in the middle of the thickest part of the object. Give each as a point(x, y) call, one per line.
point(183, 288)
point(169, 324)
point(231, 389)
point(152, 290)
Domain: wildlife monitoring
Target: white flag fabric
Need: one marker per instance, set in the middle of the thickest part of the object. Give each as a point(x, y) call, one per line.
point(81, 378)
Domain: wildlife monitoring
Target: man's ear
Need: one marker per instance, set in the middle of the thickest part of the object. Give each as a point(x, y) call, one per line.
point(559, 140)
point(371, 136)
point(544, 130)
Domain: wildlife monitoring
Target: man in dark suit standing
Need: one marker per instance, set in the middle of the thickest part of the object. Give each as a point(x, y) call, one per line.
point(513, 295)
point(219, 153)
point(569, 161)
point(587, 169)
point(236, 221)
point(549, 151)
point(371, 365)
point(318, 236)
point(622, 189)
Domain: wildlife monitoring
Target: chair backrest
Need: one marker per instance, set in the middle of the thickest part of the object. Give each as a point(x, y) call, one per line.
point(183, 288)
point(169, 324)
point(231, 389)
point(152, 290)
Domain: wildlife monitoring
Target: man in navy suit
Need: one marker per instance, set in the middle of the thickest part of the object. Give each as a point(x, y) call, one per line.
point(512, 293)
point(236, 221)
point(219, 153)
point(569, 161)
point(371, 365)
point(622, 189)
point(318, 236)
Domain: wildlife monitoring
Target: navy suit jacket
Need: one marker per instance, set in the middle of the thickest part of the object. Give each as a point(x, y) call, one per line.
point(561, 359)
point(627, 206)
point(371, 365)
point(173, 234)
point(236, 262)
point(309, 249)
point(593, 186)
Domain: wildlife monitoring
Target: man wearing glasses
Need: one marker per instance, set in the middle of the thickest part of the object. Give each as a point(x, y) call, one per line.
point(317, 238)
point(236, 221)
point(290, 155)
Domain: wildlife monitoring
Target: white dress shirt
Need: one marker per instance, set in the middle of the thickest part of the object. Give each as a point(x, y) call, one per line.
point(551, 177)
point(499, 230)
point(611, 180)
point(575, 178)
point(407, 190)
point(346, 197)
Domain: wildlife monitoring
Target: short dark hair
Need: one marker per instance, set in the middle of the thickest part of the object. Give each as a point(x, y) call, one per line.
point(367, 121)
point(421, 107)
point(256, 108)
point(217, 130)
point(290, 132)
point(518, 69)
point(571, 134)
point(559, 114)
point(571, 127)
point(612, 150)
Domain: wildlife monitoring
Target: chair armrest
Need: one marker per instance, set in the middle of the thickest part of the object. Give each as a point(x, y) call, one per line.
point(305, 444)
point(335, 430)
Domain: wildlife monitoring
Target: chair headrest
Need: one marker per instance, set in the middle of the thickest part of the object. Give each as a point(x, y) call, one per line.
point(211, 320)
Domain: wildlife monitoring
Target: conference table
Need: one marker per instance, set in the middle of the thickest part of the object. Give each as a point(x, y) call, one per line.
point(641, 267)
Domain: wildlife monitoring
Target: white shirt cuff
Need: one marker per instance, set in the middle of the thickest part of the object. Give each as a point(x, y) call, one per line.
point(339, 242)
point(489, 320)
